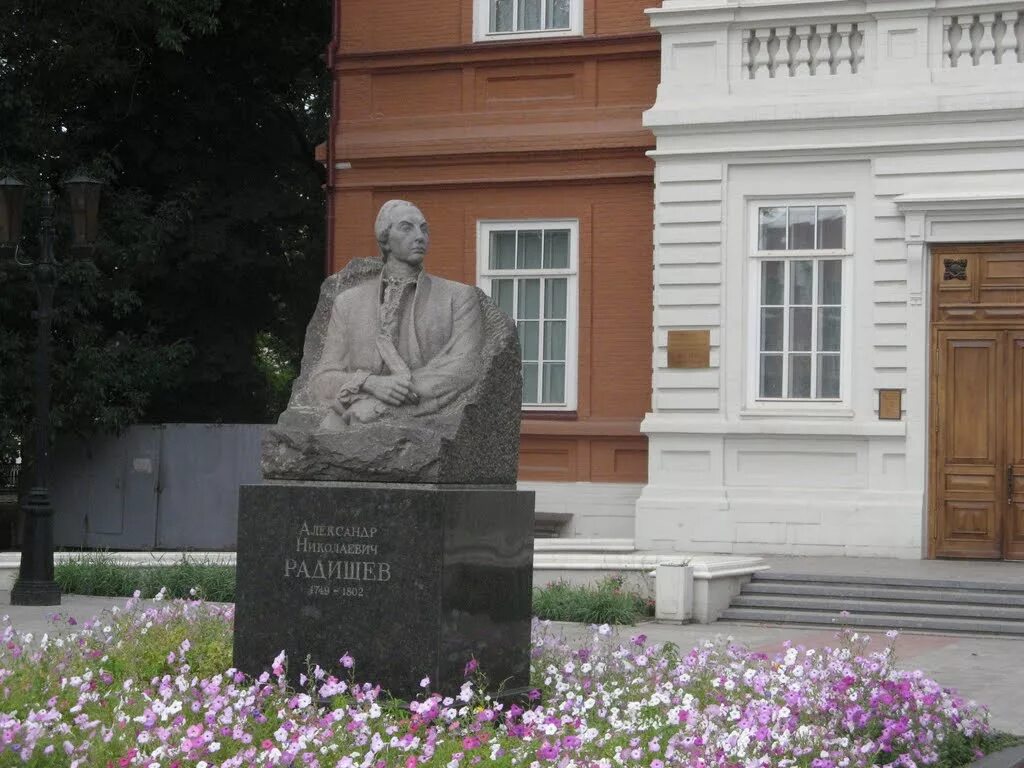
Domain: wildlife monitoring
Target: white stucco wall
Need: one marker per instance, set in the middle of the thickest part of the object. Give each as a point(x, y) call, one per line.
point(921, 152)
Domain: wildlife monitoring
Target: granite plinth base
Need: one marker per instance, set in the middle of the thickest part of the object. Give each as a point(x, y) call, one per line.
point(411, 581)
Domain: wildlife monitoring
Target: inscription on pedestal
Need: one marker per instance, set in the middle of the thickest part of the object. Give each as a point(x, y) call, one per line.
point(314, 546)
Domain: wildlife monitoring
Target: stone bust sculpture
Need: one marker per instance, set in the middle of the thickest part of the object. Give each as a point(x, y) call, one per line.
point(406, 376)
point(407, 343)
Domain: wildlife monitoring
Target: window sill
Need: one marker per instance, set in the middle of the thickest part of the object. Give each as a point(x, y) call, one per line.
point(537, 34)
point(796, 412)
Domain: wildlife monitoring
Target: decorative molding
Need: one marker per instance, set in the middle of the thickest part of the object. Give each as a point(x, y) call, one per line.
point(684, 424)
point(954, 269)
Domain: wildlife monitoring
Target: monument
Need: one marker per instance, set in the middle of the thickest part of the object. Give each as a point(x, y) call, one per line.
point(389, 526)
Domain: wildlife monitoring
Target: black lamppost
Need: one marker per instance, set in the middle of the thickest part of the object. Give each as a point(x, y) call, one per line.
point(35, 584)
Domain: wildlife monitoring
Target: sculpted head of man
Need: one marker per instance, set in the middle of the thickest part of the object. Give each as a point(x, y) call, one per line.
point(402, 232)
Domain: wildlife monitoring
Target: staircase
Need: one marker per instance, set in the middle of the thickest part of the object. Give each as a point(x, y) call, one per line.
point(929, 605)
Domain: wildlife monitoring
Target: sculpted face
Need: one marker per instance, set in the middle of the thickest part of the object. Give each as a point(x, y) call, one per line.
point(409, 236)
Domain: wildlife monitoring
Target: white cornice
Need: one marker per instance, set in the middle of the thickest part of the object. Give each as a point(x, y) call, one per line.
point(988, 201)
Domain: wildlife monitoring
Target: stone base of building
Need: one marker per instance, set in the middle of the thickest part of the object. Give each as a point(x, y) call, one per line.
point(780, 523)
point(411, 581)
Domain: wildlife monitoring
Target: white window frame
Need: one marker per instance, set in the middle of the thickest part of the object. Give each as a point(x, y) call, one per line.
point(482, 24)
point(485, 274)
point(755, 404)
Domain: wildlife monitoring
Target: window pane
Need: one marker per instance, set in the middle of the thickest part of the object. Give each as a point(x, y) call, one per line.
point(554, 298)
point(832, 226)
point(801, 228)
point(503, 293)
point(829, 328)
point(501, 15)
point(771, 376)
point(556, 249)
point(529, 338)
point(558, 14)
point(529, 14)
point(773, 282)
point(828, 376)
point(503, 250)
point(530, 384)
point(554, 383)
point(800, 329)
point(801, 281)
point(530, 246)
point(554, 340)
point(799, 375)
point(772, 229)
point(771, 329)
point(830, 282)
point(529, 299)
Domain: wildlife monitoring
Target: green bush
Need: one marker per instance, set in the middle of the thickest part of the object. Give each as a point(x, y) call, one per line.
point(102, 574)
point(605, 603)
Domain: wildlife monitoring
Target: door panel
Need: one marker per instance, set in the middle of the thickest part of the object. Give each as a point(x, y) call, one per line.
point(1014, 480)
point(968, 414)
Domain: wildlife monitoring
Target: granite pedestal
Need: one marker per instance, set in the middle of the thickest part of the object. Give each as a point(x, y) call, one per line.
point(411, 580)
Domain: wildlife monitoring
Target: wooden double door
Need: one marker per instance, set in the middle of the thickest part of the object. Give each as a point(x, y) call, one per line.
point(977, 413)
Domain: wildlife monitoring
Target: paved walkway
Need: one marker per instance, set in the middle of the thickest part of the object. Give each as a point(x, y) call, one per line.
point(989, 670)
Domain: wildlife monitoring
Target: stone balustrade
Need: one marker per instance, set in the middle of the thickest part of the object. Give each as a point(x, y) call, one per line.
point(803, 51)
point(983, 39)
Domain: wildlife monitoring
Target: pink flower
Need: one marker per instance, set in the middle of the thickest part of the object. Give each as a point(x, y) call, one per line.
point(547, 751)
point(471, 666)
point(347, 661)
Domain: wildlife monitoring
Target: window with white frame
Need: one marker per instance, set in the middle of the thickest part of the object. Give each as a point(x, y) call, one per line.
point(529, 269)
point(500, 19)
point(801, 281)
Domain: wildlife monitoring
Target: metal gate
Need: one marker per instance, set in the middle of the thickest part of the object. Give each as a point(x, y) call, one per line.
point(170, 486)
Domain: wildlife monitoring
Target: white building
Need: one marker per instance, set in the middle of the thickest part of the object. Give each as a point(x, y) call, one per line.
point(826, 175)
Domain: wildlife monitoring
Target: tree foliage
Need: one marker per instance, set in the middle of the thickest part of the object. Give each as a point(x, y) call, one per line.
point(201, 116)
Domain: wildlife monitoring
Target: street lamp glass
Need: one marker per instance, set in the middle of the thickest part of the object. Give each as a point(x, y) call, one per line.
point(84, 197)
point(12, 204)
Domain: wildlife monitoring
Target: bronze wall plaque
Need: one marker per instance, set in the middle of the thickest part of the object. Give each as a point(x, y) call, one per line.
point(890, 404)
point(689, 349)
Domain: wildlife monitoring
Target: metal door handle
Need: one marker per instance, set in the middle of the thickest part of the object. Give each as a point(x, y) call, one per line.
point(1009, 483)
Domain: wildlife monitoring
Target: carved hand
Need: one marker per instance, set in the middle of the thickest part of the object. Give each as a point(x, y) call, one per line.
point(393, 390)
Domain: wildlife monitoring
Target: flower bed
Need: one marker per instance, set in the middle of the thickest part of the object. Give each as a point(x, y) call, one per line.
point(148, 687)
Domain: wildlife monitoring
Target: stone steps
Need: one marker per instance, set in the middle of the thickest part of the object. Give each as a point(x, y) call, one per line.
point(932, 605)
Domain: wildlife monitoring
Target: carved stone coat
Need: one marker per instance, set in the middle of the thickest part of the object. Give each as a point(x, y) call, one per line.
point(439, 342)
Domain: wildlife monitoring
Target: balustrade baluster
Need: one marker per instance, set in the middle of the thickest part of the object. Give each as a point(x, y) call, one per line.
point(775, 48)
point(1003, 42)
point(842, 58)
point(964, 45)
point(950, 38)
point(749, 45)
point(818, 45)
point(800, 52)
point(762, 61)
point(1019, 33)
point(856, 48)
point(987, 43)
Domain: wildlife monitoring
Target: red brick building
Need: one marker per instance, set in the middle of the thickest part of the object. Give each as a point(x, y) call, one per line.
point(515, 125)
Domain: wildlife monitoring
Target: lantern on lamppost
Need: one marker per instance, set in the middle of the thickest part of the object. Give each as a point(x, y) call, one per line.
point(35, 584)
point(84, 198)
point(12, 206)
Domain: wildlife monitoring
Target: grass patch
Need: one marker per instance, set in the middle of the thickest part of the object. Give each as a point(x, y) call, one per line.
point(103, 575)
point(605, 603)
